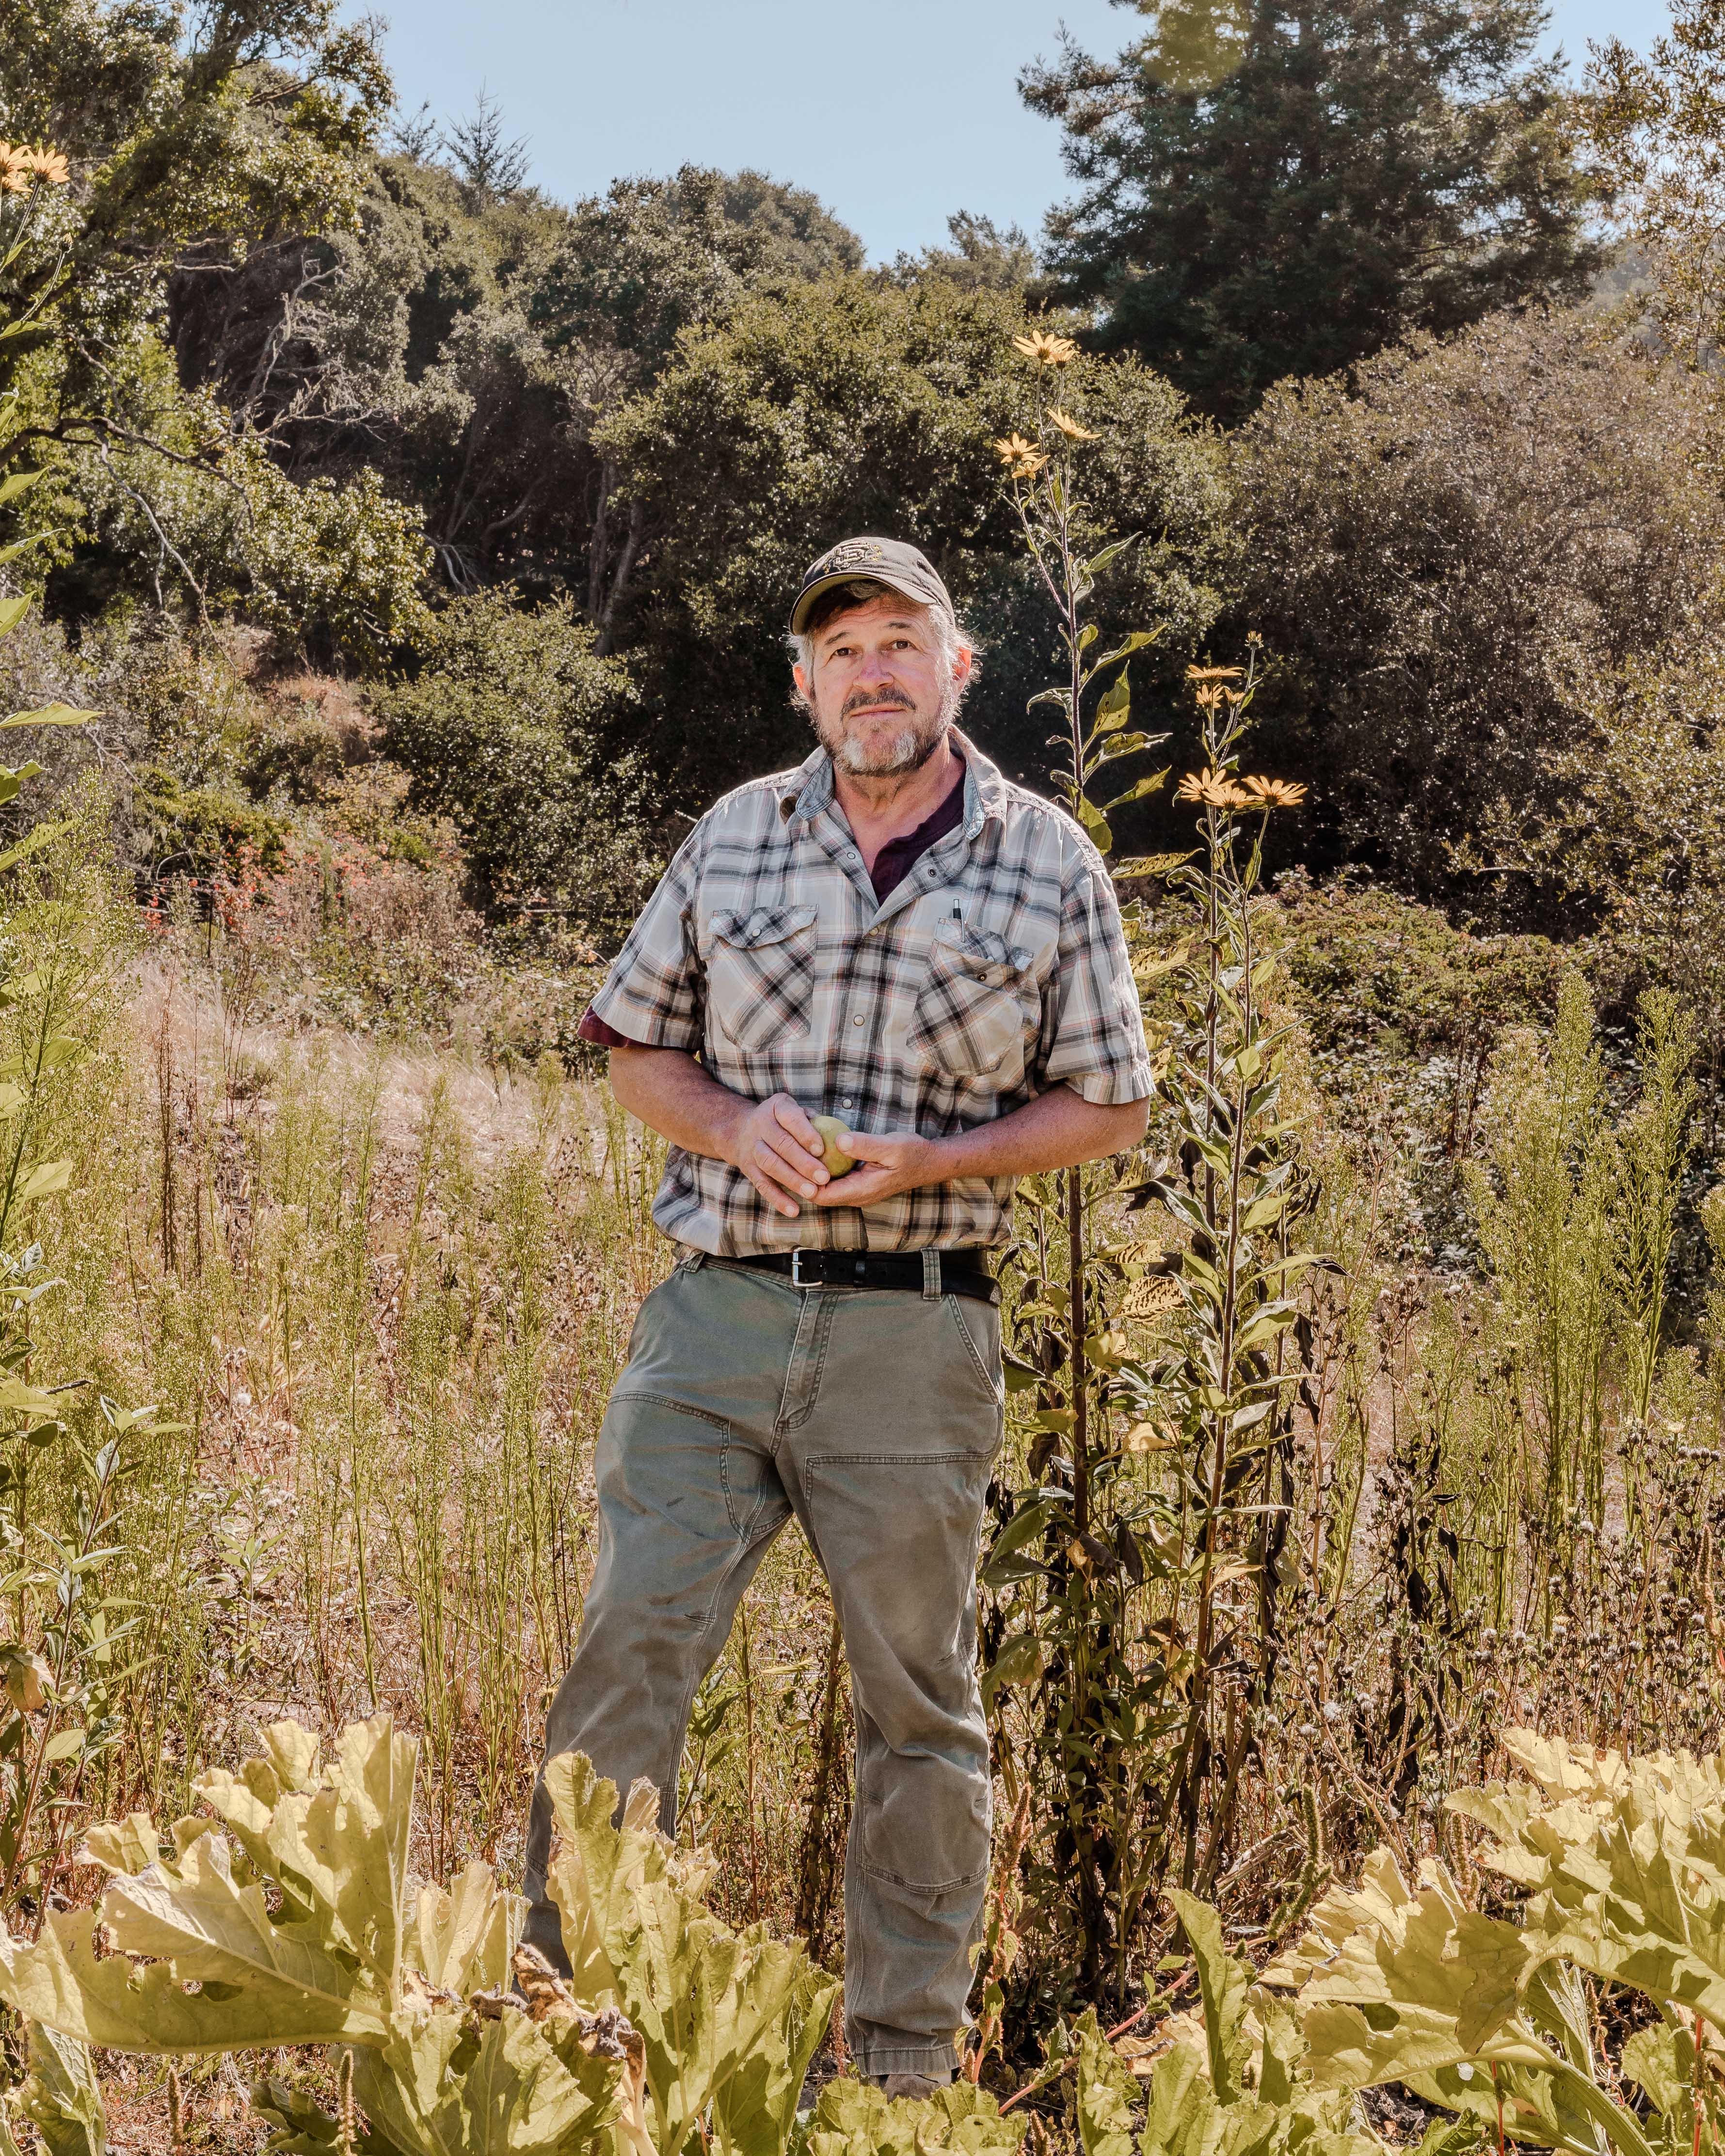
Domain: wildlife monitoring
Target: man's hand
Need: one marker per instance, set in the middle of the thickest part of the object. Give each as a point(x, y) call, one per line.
point(773, 1143)
point(899, 1161)
point(779, 1150)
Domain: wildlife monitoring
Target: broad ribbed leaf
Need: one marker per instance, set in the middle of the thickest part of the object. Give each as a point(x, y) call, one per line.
point(728, 2020)
point(442, 2087)
point(776, 2024)
point(339, 1845)
point(60, 2097)
point(461, 1939)
point(1107, 2093)
point(853, 2119)
point(263, 1982)
point(1223, 1982)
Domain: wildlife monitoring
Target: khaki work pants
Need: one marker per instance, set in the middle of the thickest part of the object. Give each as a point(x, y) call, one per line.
point(874, 1418)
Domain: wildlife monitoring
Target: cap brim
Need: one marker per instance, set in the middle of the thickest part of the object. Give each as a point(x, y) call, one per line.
point(893, 583)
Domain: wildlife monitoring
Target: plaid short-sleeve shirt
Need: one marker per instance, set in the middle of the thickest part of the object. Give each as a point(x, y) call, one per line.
point(996, 969)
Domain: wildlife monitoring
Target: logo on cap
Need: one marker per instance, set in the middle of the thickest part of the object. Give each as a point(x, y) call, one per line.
point(855, 554)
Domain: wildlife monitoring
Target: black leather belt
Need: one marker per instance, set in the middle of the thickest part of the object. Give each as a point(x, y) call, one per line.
point(959, 1272)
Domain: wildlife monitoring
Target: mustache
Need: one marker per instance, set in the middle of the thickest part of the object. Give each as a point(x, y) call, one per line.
point(860, 698)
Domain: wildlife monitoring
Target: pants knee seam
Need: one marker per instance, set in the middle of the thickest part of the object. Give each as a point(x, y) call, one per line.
point(923, 1887)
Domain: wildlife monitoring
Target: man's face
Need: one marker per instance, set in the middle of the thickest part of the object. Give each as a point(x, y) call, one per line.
point(881, 693)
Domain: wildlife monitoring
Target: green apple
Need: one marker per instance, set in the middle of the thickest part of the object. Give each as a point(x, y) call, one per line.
point(831, 1130)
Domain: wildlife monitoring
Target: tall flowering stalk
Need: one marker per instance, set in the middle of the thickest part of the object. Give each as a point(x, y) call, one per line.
point(1225, 1395)
point(1122, 1671)
point(1068, 1563)
point(1043, 481)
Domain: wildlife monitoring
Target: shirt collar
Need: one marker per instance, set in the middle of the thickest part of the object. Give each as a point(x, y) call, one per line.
point(809, 789)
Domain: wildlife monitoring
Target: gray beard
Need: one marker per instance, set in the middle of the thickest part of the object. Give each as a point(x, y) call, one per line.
point(907, 749)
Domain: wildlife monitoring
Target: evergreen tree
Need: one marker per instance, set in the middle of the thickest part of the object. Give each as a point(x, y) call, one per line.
point(1283, 187)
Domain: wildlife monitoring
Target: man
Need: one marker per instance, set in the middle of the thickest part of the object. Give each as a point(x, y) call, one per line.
point(893, 935)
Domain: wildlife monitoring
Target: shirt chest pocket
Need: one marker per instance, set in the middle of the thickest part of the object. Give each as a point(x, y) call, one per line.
point(974, 1009)
point(761, 975)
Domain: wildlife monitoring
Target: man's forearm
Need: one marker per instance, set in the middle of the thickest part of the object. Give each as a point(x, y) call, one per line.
point(1058, 1129)
point(673, 1094)
point(669, 1091)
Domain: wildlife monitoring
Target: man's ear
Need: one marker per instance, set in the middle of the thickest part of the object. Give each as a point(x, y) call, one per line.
point(801, 679)
point(962, 661)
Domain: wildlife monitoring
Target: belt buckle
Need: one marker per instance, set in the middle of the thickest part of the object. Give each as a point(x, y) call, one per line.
point(797, 1257)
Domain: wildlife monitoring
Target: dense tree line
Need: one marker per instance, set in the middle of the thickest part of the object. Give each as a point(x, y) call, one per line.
point(542, 476)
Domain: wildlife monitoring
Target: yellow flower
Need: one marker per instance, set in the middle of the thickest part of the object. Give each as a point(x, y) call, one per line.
point(1022, 459)
point(1046, 349)
point(49, 164)
point(1213, 673)
point(1214, 789)
point(1277, 792)
point(14, 169)
point(1069, 427)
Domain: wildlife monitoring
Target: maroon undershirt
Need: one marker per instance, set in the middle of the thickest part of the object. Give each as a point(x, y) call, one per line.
point(893, 865)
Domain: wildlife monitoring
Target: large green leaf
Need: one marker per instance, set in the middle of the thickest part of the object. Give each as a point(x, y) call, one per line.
point(60, 2097)
point(1626, 1867)
point(729, 2020)
point(322, 1967)
point(1459, 2008)
point(446, 2085)
point(50, 714)
point(461, 1939)
point(336, 1842)
point(1107, 2093)
point(263, 1978)
point(1223, 1982)
point(853, 2119)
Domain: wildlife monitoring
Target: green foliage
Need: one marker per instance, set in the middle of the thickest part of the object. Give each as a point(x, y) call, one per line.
point(1576, 1214)
point(1160, 1470)
point(72, 1623)
point(336, 569)
point(729, 2020)
point(467, 341)
point(252, 126)
point(1613, 1865)
point(652, 258)
point(856, 405)
point(290, 1917)
point(201, 831)
point(1632, 831)
point(60, 2097)
point(851, 2118)
point(508, 729)
point(1655, 118)
point(1450, 555)
point(1264, 197)
point(1232, 2081)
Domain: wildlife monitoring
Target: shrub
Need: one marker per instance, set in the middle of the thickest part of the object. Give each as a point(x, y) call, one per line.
point(853, 406)
point(1438, 555)
point(504, 731)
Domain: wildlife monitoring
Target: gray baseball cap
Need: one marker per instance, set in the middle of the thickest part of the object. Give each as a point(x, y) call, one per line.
point(902, 568)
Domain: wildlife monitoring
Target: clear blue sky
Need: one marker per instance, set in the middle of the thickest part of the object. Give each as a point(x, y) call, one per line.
point(894, 113)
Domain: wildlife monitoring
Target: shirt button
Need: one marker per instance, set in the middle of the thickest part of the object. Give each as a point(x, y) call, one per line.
point(858, 1020)
point(847, 1104)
